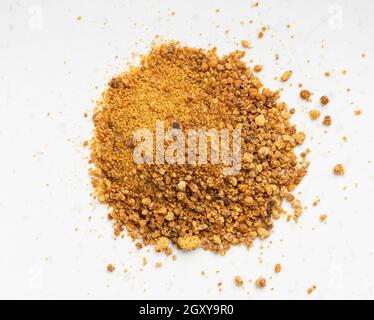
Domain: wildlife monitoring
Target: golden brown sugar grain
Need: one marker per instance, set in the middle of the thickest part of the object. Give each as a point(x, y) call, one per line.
point(323, 217)
point(339, 170)
point(314, 114)
point(85, 143)
point(326, 121)
point(158, 265)
point(277, 268)
point(286, 76)
point(110, 268)
point(260, 120)
point(145, 261)
point(189, 242)
point(162, 243)
point(258, 68)
point(311, 289)
point(305, 94)
point(194, 206)
point(260, 282)
point(358, 112)
point(324, 100)
point(260, 35)
point(239, 281)
point(245, 44)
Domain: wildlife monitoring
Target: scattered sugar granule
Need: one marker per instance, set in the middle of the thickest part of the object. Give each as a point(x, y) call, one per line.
point(110, 267)
point(305, 94)
point(158, 265)
point(300, 137)
point(239, 281)
point(339, 170)
point(311, 289)
point(79, 18)
point(260, 35)
point(326, 121)
point(314, 114)
point(85, 144)
point(258, 68)
point(145, 261)
point(286, 76)
point(323, 217)
point(278, 268)
point(260, 282)
point(245, 44)
point(324, 100)
point(358, 112)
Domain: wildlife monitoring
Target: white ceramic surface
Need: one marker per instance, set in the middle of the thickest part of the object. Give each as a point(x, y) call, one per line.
point(55, 241)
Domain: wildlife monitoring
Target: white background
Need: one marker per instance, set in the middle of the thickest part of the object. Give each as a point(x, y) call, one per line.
point(55, 241)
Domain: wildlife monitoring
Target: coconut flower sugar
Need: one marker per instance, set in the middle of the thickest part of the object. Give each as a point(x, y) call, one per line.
point(194, 205)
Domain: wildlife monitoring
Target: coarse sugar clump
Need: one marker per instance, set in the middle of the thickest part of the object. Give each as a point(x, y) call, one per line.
point(286, 76)
point(260, 282)
point(314, 114)
point(188, 205)
point(306, 95)
point(339, 170)
point(258, 68)
point(278, 268)
point(327, 121)
point(238, 281)
point(110, 267)
point(324, 100)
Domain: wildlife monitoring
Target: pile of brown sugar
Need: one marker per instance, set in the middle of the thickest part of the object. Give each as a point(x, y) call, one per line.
point(194, 205)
